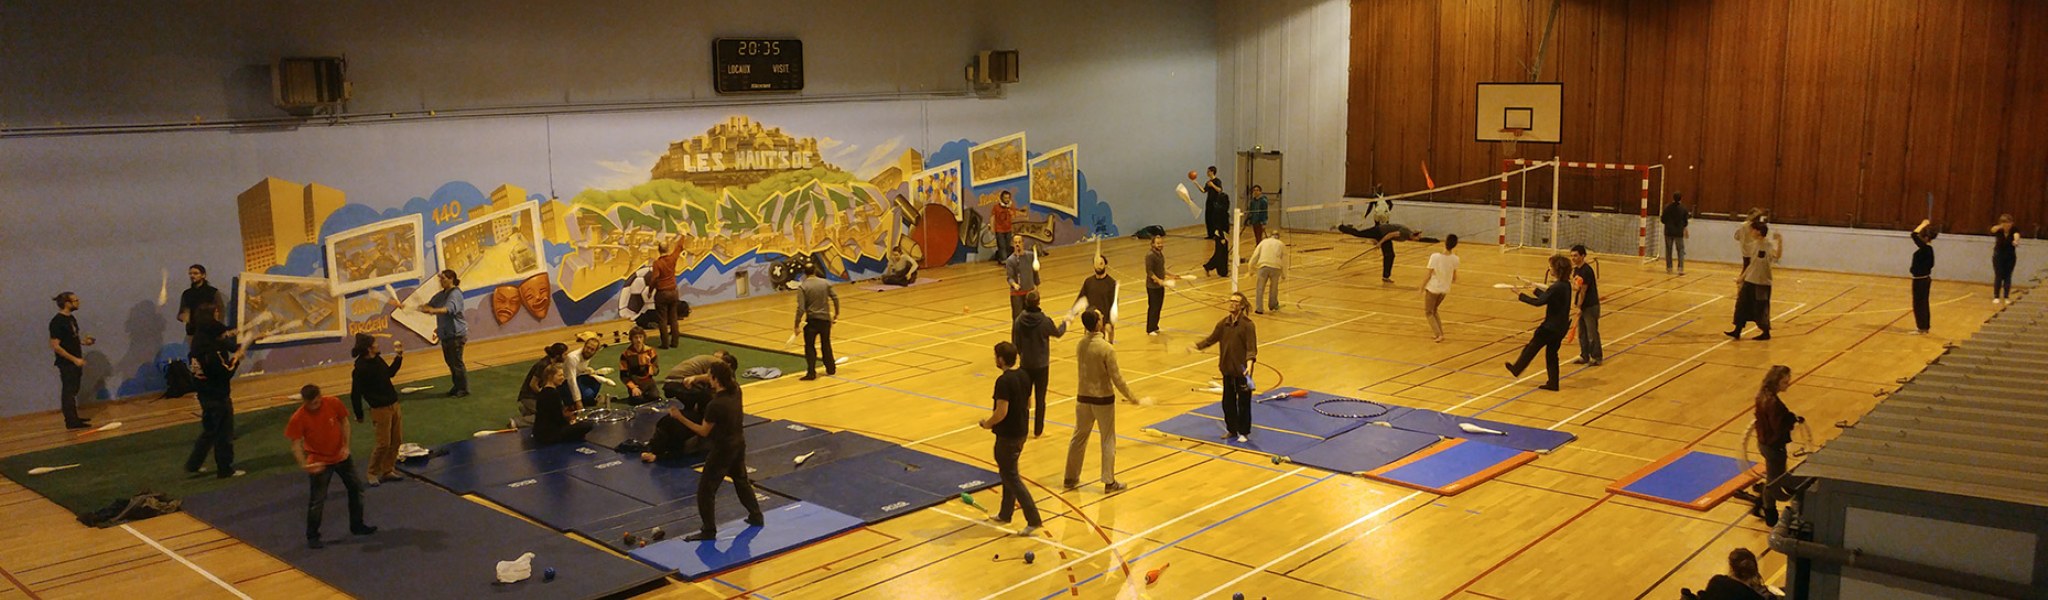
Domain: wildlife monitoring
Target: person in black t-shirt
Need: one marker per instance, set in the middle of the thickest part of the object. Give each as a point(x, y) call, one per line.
point(201, 297)
point(370, 383)
point(554, 415)
point(1676, 220)
point(1587, 283)
point(1923, 274)
point(723, 428)
point(216, 370)
point(69, 346)
point(1009, 421)
point(1216, 207)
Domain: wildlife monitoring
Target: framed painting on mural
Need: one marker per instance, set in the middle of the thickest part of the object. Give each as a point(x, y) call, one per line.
point(938, 185)
point(383, 252)
point(278, 308)
point(1054, 183)
point(500, 247)
point(997, 160)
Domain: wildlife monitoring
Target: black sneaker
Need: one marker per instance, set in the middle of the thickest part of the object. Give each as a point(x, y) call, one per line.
point(1113, 488)
point(1737, 334)
point(1764, 337)
point(757, 521)
point(364, 530)
point(315, 543)
point(78, 425)
point(1548, 387)
point(808, 377)
point(701, 536)
point(1512, 370)
point(460, 393)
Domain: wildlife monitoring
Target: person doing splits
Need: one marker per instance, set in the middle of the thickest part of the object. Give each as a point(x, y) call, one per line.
point(1556, 301)
point(723, 430)
point(1237, 342)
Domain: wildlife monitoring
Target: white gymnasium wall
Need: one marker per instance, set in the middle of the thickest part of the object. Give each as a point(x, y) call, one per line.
point(1282, 82)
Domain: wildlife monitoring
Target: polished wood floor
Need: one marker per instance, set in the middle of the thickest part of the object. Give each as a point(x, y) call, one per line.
point(1225, 521)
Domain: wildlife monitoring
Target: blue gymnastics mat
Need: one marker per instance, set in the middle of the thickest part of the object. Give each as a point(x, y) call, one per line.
point(1695, 480)
point(1452, 466)
point(765, 463)
point(788, 527)
point(677, 518)
point(927, 471)
point(1517, 436)
point(463, 478)
point(1204, 429)
point(429, 543)
point(641, 426)
point(652, 483)
point(559, 500)
point(776, 433)
point(883, 484)
point(1277, 397)
point(467, 451)
point(1282, 417)
point(1363, 449)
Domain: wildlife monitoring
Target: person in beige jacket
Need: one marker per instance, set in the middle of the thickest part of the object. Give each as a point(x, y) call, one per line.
point(1095, 403)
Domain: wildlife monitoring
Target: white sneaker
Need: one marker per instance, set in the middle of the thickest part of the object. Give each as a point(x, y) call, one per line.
point(1029, 531)
point(1997, 301)
point(1243, 440)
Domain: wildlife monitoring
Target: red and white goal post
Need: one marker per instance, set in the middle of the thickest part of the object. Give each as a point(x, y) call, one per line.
point(1607, 229)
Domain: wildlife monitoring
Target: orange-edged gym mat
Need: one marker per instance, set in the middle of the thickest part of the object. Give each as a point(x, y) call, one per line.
point(1451, 466)
point(1688, 478)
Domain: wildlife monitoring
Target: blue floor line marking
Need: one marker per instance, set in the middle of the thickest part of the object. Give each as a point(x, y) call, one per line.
point(1197, 532)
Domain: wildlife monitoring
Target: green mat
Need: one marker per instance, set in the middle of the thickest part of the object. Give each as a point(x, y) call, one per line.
point(118, 467)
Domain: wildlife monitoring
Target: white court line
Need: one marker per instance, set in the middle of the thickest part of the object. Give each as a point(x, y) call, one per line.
point(174, 556)
point(991, 525)
point(1276, 560)
point(1623, 337)
point(1653, 377)
point(1141, 535)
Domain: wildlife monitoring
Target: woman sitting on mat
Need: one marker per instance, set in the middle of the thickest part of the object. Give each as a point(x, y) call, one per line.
point(554, 419)
point(1743, 581)
point(536, 380)
point(902, 270)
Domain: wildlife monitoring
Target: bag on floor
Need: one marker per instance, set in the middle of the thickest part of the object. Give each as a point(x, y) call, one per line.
point(1149, 232)
point(141, 506)
point(177, 379)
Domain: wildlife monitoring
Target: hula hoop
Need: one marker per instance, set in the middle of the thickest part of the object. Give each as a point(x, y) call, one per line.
point(1365, 406)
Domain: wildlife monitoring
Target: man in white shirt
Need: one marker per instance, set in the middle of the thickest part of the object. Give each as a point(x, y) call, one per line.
point(1443, 271)
point(1270, 259)
point(584, 376)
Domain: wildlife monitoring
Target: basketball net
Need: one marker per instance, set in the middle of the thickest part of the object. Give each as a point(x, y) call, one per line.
point(1513, 135)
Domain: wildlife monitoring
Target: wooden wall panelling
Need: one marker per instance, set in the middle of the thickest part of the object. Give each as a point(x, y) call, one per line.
point(1844, 84)
point(2022, 183)
point(1361, 104)
point(1803, 109)
point(1884, 180)
point(1686, 25)
point(1642, 95)
point(1930, 123)
point(1760, 84)
point(1981, 86)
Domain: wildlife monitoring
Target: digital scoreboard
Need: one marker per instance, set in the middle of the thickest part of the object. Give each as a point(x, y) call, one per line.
point(750, 65)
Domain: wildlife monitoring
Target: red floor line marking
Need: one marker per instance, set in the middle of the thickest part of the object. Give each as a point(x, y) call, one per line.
point(19, 585)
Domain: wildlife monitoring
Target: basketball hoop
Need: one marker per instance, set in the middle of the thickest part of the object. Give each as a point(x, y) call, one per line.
point(1511, 135)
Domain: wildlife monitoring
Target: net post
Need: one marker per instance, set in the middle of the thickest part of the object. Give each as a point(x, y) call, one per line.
point(1505, 168)
point(1556, 196)
point(1643, 220)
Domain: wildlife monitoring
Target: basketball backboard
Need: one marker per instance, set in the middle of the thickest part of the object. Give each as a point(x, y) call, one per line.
point(1533, 110)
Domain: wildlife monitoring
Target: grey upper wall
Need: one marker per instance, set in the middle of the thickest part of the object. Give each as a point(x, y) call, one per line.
point(113, 62)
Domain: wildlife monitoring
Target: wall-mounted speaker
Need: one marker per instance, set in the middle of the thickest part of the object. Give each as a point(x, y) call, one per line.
point(309, 85)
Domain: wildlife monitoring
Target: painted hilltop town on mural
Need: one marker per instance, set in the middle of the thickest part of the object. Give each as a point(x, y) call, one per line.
point(320, 265)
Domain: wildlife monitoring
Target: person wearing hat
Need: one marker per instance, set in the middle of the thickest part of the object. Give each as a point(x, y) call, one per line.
point(371, 383)
point(319, 434)
point(583, 387)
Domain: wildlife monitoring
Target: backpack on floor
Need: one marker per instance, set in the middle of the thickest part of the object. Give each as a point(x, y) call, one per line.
point(1149, 232)
point(142, 506)
point(178, 379)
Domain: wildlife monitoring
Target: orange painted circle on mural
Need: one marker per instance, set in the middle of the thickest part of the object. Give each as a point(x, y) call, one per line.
point(938, 231)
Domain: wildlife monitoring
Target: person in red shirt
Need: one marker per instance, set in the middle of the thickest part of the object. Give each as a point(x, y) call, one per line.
point(319, 434)
point(668, 301)
point(1000, 219)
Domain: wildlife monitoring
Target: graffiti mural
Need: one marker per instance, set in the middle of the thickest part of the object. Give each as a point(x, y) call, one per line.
point(497, 245)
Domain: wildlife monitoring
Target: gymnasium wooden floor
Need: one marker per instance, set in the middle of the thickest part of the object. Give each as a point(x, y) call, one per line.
point(1226, 521)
